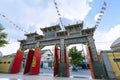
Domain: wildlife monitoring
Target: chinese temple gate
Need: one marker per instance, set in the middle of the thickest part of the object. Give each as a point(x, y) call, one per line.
point(73, 34)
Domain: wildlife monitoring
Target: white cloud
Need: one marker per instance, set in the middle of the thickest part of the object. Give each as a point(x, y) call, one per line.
point(10, 48)
point(25, 14)
point(43, 12)
point(38, 13)
point(90, 0)
point(104, 40)
point(74, 9)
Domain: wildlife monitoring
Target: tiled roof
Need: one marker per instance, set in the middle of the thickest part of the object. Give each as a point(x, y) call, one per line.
point(116, 43)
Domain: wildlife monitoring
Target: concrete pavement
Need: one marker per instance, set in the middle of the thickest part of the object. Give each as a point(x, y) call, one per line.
point(41, 77)
point(46, 74)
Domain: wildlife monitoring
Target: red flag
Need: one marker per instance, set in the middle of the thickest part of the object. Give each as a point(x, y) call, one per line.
point(56, 61)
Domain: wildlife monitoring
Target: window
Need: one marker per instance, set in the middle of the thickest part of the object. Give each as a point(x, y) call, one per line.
point(116, 59)
point(48, 59)
point(50, 35)
point(49, 55)
point(4, 62)
point(9, 62)
point(0, 62)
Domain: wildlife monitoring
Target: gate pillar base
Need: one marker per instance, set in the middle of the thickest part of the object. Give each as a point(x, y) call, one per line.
point(62, 70)
point(100, 72)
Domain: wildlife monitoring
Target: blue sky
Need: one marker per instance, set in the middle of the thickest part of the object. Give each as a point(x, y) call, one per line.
point(30, 15)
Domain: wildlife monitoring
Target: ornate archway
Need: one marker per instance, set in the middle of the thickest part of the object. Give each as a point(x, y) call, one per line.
point(72, 34)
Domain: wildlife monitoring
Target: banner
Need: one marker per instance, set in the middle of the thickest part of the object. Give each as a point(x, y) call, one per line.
point(29, 61)
point(17, 62)
point(56, 61)
point(35, 67)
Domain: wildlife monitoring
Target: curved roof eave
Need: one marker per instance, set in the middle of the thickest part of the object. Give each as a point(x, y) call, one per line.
point(116, 42)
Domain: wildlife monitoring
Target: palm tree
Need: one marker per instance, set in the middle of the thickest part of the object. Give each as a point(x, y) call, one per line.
point(3, 36)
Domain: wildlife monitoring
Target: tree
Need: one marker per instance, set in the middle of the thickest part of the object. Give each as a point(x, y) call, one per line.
point(76, 56)
point(3, 36)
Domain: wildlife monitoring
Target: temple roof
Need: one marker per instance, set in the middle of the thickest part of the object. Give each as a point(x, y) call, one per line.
point(22, 40)
point(93, 28)
point(51, 28)
point(31, 34)
point(116, 43)
point(62, 33)
point(74, 27)
point(88, 31)
point(39, 37)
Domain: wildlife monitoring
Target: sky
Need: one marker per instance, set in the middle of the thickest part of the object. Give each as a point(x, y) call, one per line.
point(31, 15)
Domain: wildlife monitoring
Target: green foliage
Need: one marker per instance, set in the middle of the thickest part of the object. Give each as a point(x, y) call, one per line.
point(76, 56)
point(3, 36)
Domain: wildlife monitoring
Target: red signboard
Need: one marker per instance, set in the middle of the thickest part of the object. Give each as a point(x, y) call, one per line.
point(29, 61)
point(35, 67)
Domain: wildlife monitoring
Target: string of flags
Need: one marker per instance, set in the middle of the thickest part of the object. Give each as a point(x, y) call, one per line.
point(58, 12)
point(11, 22)
point(101, 14)
point(16, 26)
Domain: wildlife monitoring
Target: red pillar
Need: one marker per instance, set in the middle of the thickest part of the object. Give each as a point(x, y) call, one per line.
point(56, 61)
point(90, 62)
point(67, 62)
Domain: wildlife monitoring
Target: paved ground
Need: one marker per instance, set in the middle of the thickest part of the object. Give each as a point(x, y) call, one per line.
point(46, 74)
point(79, 72)
point(40, 77)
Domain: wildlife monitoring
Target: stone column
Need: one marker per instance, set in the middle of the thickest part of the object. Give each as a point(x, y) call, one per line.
point(62, 65)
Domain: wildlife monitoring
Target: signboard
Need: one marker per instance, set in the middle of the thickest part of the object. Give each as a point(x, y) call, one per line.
point(76, 40)
point(52, 41)
point(49, 42)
